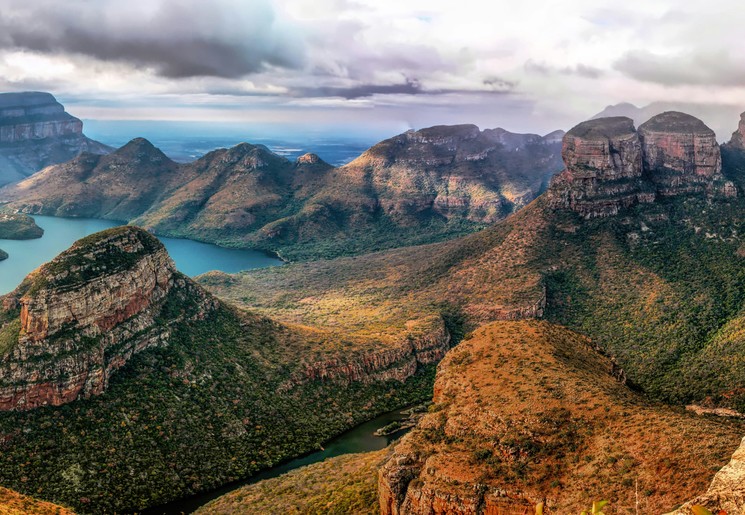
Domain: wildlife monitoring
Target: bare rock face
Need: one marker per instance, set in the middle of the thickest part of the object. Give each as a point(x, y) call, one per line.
point(77, 319)
point(427, 342)
point(738, 137)
point(727, 490)
point(35, 132)
point(681, 154)
point(611, 166)
point(603, 173)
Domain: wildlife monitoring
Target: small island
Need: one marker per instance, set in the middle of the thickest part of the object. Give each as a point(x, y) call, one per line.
point(18, 227)
point(3, 255)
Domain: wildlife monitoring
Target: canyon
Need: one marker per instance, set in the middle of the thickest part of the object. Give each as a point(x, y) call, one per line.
point(35, 132)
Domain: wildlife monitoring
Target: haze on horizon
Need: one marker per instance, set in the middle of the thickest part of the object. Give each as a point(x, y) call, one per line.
point(375, 64)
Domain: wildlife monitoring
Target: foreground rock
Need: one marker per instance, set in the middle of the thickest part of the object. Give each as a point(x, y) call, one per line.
point(418, 187)
point(611, 166)
point(528, 413)
point(727, 489)
point(35, 132)
point(84, 315)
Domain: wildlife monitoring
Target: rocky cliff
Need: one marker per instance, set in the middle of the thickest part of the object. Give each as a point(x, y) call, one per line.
point(75, 321)
point(611, 166)
point(35, 131)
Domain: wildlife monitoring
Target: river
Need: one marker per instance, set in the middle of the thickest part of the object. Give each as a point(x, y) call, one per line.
point(357, 439)
point(191, 257)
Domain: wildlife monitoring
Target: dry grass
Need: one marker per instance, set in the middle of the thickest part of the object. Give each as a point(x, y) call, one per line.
point(13, 503)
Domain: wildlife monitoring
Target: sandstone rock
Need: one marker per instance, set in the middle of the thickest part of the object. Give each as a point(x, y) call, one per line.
point(603, 159)
point(738, 137)
point(727, 490)
point(611, 166)
point(85, 314)
point(681, 154)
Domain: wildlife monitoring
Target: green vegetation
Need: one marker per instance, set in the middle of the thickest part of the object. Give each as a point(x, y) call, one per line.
point(338, 486)
point(18, 227)
point(189, 417)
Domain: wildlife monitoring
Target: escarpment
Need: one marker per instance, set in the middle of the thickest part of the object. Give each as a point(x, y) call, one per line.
point(35, 131)
point(73, 322)
point(610, 165)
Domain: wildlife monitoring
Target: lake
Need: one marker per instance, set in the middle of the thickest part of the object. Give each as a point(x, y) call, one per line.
point(191, 257)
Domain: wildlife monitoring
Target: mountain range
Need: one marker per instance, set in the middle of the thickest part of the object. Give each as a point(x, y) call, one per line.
point(570, 336)
point(418, 187)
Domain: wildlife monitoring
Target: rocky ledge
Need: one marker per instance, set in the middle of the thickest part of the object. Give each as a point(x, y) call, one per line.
point(77, 319)
point(610, 165)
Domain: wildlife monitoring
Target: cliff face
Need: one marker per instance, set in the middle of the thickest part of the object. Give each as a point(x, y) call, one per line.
point(681, 154)
point(603, 173)
point(527, 412)
point(84, 315)
point(35, 132)
point(610, 165)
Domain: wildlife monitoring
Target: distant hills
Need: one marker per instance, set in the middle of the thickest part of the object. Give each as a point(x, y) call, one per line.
point(35, 132)
point(418, 187)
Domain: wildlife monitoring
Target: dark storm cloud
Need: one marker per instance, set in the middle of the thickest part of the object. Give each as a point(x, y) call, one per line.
point(716, 68)
point(224, 38)
point(408, 87)
point(580, 70)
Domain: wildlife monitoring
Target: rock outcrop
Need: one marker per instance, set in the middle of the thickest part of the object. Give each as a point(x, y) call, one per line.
point(738, 137)
point(427, 342)
point(681, 154)
point(611, 166)
point(35, 132)
point(73, 322)
point(603, 173)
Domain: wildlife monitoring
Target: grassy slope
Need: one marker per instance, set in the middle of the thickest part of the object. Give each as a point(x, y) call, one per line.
point(661, 288)
point(202, 412)
point(13, 503)
point(529, 408)
point(337, 486)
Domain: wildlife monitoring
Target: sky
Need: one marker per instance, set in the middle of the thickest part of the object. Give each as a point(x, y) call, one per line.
point(386, 65)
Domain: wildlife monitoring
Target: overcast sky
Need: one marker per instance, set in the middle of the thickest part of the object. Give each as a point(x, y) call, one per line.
point(526, 66)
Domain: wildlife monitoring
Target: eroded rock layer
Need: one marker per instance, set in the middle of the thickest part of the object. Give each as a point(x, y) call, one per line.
point(611, 166)
point(77, 319)
point(35, 131)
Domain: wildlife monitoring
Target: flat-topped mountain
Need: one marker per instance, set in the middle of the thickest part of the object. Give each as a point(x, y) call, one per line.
point(418, 187)
point(35, 132)
point(611, 166)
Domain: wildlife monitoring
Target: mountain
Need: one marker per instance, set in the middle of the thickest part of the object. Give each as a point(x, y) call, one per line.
point(636, 246)
point(35, 132)
point(418, 187)
point(528, 412)
point(111, 361)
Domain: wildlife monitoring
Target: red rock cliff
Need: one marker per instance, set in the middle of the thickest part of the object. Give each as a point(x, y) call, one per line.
point(84, 315)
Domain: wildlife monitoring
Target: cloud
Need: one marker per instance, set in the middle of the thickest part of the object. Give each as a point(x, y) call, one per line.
point(408, 87)
point(176, 39)
point(691, 68)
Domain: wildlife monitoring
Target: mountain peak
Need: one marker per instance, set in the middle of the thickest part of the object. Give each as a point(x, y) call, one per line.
point(676, 122)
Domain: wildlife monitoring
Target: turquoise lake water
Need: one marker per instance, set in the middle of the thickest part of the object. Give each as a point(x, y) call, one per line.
point(191, 257)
